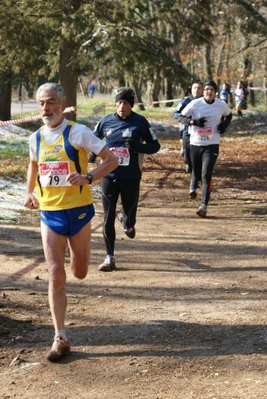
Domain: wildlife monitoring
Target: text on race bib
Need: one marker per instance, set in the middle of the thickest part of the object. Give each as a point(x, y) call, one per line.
point(122, 154)
point(54, 173)
point(205, 133)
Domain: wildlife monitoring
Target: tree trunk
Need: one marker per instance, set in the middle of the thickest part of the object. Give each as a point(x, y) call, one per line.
point(221, 65)
point(247, 73)
point(208, 62)
point(264, 89)
point(168, 91)
point(138, 94)
point(251, 95)
point(155, 92)
point(68, 77)
point(5, 98)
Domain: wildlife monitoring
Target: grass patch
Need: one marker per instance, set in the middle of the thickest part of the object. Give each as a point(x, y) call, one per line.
point(150, 112)
point(245, 210)
point(14, 155)
point(185, 204)
point(12, 148)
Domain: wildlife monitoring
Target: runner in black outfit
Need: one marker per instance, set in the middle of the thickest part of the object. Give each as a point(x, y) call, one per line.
point(129, 136)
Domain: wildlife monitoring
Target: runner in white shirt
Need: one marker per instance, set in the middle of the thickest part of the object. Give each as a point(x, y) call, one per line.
point(207, 117)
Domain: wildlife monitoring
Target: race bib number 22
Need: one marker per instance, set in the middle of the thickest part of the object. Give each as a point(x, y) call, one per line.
point(205, 133)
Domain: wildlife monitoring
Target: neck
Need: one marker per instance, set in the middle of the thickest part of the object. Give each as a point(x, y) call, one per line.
point(209, 101)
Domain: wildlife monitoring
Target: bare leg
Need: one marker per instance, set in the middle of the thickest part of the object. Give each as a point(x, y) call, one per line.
point(54, 249)
point(79, 246)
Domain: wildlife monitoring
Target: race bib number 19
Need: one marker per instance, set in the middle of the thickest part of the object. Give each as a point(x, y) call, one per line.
point(54, 173)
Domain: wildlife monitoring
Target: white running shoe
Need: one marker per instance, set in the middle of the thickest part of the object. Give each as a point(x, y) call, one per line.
point(59, 349)
point(108, 265)
point(202, 210)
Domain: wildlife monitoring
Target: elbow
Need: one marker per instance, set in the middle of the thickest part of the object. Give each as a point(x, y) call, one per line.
point(110, 164)
point(114, 163)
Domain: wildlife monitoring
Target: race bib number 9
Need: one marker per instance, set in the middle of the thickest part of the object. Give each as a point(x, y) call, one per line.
point(122, 154)
point(205, 133)
point(54, 173)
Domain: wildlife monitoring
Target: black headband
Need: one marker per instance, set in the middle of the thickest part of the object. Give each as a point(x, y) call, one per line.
point(126, 96)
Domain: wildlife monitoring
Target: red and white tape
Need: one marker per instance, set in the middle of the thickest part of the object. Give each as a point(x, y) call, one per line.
point(21, 120)
point(32, 118)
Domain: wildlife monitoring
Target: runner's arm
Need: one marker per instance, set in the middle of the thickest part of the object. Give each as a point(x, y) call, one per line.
point(108, 164)
point(30, 199)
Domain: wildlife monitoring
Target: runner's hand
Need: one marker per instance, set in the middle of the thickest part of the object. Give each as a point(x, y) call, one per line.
point(201, 122)
point(132, 145)
point(31, 201)
point(221, 128)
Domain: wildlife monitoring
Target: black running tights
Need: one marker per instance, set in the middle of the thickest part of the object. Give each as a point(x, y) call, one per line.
point(203, 161)
point(128, 190)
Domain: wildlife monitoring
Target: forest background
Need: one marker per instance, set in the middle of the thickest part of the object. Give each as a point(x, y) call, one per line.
point(157, 47)
point(185, 312)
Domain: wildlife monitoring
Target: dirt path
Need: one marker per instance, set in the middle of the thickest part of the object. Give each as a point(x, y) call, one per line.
point(184, 316)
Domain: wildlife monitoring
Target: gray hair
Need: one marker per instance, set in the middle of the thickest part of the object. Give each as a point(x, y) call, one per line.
point(52, 86)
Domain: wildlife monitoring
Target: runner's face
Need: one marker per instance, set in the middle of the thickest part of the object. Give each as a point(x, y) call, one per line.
point(123, 108)
point(50, 108)
point(209, 93)
point(197, 90)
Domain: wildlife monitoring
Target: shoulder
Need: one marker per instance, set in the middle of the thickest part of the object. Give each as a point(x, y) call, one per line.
point(33, 136)
point(197, 101)
point(137, 117)
point(107, 119)
point(220, 103)
point(79, 127)
point(186, 100)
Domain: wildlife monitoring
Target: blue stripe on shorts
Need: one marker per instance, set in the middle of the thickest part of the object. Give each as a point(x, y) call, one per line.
point(68, 222)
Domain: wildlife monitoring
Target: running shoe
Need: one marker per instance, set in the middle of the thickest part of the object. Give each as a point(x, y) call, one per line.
point(192, 194)
point(59, 349)
point(129, 232)
point(108, 265)
point(202, 210)
point(187, 169)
